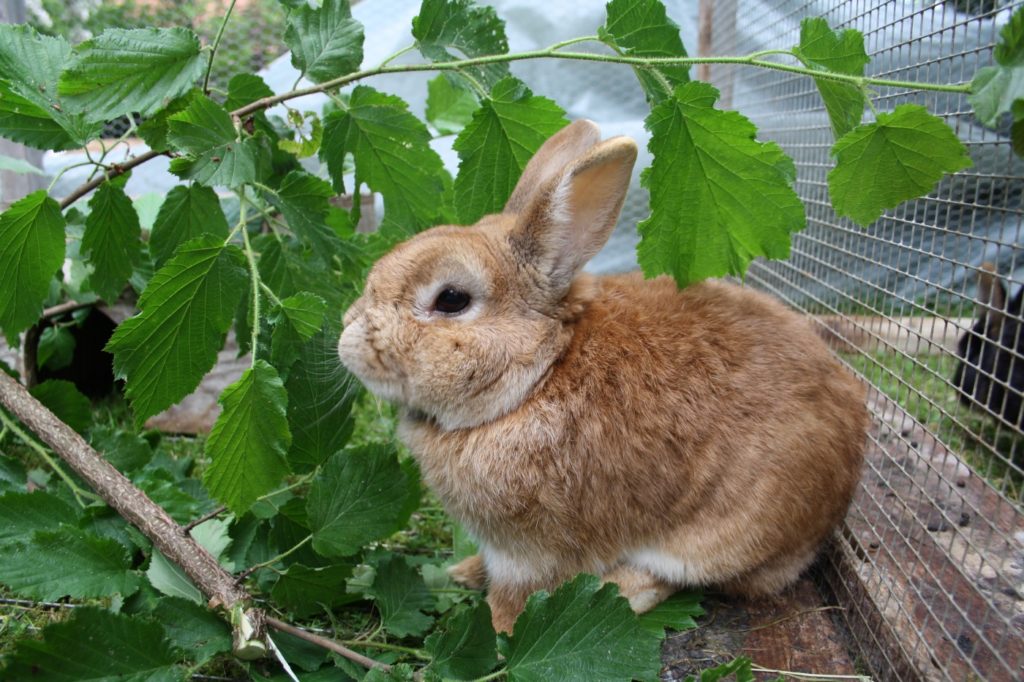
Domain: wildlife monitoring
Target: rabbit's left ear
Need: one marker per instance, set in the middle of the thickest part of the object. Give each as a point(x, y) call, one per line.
point(571, 217)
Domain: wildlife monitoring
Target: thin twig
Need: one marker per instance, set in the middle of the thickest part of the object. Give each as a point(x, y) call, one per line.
point(328, 644)
point(67, 307)
point(203, 519)
point(216, 43)
point(29, 604)
point(119, 169)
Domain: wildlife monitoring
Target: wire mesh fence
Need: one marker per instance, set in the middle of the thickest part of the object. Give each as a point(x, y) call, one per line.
point(925, 305)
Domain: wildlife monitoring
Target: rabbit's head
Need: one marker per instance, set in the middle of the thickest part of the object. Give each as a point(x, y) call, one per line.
point(991, 368)
point(458, 324)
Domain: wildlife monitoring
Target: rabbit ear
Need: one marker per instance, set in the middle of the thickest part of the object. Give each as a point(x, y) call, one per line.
point(572, 215)
point(561, 149)
point(992, 297)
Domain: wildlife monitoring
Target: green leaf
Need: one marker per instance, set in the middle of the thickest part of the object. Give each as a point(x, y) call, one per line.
point(31, 252)
point(584, 631)
point(30, 111)
point(216, 156)
point(131, 70)
point(392, 153)
point(295, 321)
point(306, 591)
point(402, 596)
point(154, 129)
point(898, 157)
point(187, 308)
point(111, 240)
point(464, 647)
point(193, 629)
point(307, 136)
point(249, 439)
point(740, 667)
point(640, 28)
point(170, 579)
point(470, 30)
point(676, 613)
point(719, 198)
point(66, 562)
point(994, 89)
point(56, 348)
point(65, 401)
point(823, 49)
point(125, 450)
point(495, 147)
point(96, 645)
point(188, 212)
point(358, 497)
point(321, 393)
point(21, 514)
point(303, 199)
point(246, 88)
point(325, 42)
point(449, 109)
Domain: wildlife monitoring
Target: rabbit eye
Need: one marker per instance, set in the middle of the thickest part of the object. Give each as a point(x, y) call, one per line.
point(451, 301)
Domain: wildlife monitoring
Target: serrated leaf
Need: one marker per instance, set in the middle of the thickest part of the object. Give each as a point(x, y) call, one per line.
point(21, 514)
point(246, 88)
point(584, 630)
point(392, 154)
point(166, 490)
point(30, 111)
point(402, 597)
point(188, 212)
point(111, 240)
point(469, 29)
point(154, 129)
point(31, 252)
point(464, 647)
point(675, 613)
point(325, 42)
point(66, 401)
point(125, 450)
point(296, 320)
point(303, 199)
point(193, 629)
point(321, 393)
point(216, 156)
point(169, 578)
point(719, 198)
point(497, 144)
point(306, 591)
point(841, 52)
point(640, 28)
point(131, 70)
point(740, 667)
point(66, 562)
point(96, 645)
point(358, 497)
point(249, 440)
point(994, 89)
point(898, 157)
point(449, 109)
point(186, 309)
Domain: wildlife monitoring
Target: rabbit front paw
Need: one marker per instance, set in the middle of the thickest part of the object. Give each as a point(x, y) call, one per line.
point(469, 573)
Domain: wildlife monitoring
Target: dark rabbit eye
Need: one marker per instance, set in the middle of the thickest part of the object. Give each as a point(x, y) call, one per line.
point(451, 301)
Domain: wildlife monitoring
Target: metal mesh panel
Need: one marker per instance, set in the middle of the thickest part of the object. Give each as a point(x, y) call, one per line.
point(930, 566)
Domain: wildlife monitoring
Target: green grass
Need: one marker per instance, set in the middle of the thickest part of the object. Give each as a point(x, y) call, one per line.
point(921, 385)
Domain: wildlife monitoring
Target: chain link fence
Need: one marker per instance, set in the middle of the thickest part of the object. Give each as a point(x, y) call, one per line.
point(925, 306)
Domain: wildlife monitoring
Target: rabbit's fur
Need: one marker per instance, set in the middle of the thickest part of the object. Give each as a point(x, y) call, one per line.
point(990, 372)
point(654, 436)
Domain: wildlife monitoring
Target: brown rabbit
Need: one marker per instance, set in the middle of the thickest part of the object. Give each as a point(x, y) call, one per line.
point(656, 437)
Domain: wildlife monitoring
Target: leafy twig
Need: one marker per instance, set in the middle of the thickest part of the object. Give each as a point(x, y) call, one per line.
point(328, 644)
point(119, 169)
point(203, 519)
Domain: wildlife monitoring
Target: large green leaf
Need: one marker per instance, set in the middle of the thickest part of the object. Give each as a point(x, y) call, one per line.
point(21, 514)
point(131, 70)
point(51, 564)
point(402, 597)
point(193, 629)
point(303, 199)
point(306, 591)
point(497, 144)
point(449, 109)
point(995, 88)
point(392, 154)
point(186, 309)
point(96, 645)
point(583, 631)
point(111, 240)
point(31, 252)
point(640, 28)
point(63, 399)
point(188, 212)
point(841, 52)
point(249, 439)
point(464, 647)
point(898, 157)
point(359, 496)
point(215, 154)
point(471, 30)
point(325, 42)
point(30, 111)
point(719, 198)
